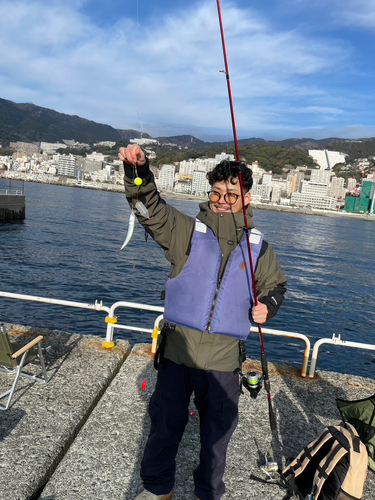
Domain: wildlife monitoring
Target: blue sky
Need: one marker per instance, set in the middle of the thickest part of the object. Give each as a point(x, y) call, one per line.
point(297, 68)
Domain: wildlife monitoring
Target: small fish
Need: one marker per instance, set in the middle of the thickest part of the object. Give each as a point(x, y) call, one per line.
point(130, 230)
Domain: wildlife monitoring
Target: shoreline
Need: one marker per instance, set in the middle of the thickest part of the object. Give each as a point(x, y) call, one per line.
point(279, 208)
point(115, 188)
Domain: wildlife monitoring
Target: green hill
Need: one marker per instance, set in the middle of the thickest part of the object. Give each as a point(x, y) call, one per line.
point(30, 123)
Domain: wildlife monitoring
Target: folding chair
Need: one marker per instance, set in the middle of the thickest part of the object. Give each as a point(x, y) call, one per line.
point(12, 364)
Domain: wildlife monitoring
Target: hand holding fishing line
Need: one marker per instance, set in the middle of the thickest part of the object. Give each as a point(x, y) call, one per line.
point(132, 155)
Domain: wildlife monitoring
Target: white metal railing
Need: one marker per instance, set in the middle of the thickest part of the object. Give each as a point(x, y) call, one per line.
point(11, 191)
point(294, 335)
point(111, 320)
point(336, 341)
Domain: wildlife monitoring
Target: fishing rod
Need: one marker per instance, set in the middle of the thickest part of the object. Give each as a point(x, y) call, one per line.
point(266, 380)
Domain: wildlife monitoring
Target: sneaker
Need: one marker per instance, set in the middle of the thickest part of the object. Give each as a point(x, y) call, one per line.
point(147, 495)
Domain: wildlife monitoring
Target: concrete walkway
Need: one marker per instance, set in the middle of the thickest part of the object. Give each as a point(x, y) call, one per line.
point(103, 460)
point(43, 420)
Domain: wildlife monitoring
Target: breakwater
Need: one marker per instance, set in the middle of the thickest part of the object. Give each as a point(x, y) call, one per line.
point(12, 207)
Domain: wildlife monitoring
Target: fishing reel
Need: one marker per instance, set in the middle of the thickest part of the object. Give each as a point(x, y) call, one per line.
point(252, 381)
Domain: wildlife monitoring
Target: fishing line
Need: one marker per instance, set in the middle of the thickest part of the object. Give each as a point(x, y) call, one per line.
point(137, 90)
point(246, 228)
point(137, 181)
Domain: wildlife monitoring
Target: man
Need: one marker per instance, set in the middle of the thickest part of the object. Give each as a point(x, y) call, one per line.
point(207, 306)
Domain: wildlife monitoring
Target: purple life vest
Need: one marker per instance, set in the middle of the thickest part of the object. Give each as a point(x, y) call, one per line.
point(195, 298)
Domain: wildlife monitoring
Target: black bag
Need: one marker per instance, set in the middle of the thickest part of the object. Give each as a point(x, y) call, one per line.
point(333, 467)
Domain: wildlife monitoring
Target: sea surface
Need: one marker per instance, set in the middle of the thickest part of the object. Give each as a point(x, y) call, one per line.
point(68, 248)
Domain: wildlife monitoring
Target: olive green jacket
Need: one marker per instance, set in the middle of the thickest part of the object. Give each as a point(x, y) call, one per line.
point(173, 231)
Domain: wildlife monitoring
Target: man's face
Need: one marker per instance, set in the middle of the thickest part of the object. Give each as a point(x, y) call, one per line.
point(232, 193)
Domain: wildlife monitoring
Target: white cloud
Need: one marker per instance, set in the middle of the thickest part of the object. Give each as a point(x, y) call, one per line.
point(361, 13)
point(166, 72)
point(358, 14)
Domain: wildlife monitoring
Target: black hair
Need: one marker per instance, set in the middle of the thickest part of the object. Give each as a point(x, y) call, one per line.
point(228, 171)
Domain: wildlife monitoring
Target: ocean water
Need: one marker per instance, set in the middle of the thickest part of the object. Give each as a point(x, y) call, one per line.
point(68, 248)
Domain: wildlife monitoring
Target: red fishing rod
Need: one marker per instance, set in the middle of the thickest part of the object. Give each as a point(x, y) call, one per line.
point(263, 354)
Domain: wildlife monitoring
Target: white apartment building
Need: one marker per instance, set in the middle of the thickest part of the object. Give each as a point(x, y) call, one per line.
point(261, 192)
point(96, 156)
point(336, 189)
point(267, 178)
point(313, 195)
point(200, 184)
point(110, 144)
point(187, 167)
point(50, 148)
point(144, 141)
point(257, 172)
point(320, 176)
point(67, 165)
point(281, 184)
point(183, 187)
point(327, 159)
point(205, 164)
point(314, 188)
point(223, 156)
point(351, 184)
point(166, 177)
point(275, 194)
point(102, 175)
point(92, 165)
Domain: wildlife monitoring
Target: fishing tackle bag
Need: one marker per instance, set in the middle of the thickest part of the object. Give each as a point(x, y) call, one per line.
point(361, 414)
point(333, 467)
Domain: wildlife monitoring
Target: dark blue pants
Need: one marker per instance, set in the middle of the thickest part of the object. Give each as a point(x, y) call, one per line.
point(216, 398)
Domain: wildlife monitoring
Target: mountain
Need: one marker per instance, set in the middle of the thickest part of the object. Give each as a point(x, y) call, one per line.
point(31, 123)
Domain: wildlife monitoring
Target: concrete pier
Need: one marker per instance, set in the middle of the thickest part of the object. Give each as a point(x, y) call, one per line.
point(102, 461)
point(12, 207)
point(43, 419)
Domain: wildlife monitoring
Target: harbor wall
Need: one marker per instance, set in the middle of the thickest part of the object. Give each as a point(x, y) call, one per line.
point(12, 207)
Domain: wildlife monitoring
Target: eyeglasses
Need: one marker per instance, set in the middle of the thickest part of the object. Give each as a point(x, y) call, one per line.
point(229, 198)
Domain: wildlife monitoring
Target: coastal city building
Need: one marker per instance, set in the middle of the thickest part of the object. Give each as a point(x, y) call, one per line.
point(351, 185)
point(143, 141)
point(183, 187)
point(109, 144)
point(261, 193)
point(200, 184)
point(317, 188)
point(314, 195)
point(67, 165)
point(187, 167)
point(51, 147)
point(327, 159)
point(166, 177)
point(320, 176)
point(336, 188)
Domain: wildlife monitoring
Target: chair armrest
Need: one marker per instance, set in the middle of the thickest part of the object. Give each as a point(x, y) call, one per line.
point(27, 346)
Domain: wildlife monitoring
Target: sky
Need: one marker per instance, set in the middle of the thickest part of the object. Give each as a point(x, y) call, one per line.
point(297, 68)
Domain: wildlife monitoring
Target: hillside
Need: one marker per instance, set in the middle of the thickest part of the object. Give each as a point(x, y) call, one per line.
point(31, 123)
